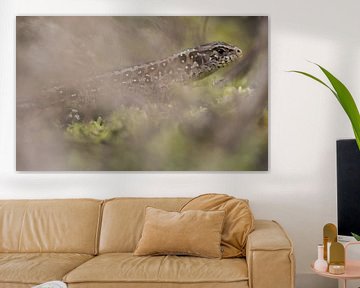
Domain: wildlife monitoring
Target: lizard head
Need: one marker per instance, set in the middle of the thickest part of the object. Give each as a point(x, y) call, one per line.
point(210, 57)
point(219, 53)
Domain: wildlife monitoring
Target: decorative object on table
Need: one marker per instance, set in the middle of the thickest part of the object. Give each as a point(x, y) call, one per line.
point(336, 269)
point(126, 93)
point(329, 236)
point(320, 264)
point(337, 258)
point(51, 284)
point(344, 97)
point(333, 252)
point(344, 273)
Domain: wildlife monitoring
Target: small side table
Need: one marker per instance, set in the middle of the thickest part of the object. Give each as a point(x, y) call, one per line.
point(352, 269)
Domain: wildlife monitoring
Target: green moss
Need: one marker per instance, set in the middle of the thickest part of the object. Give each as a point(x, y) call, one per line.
point(93, 132)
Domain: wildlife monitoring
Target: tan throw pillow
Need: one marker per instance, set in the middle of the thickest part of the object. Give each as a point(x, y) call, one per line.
point(239, 220)
point(196, 233)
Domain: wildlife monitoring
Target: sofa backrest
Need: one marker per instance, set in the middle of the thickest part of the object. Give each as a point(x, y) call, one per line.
point(123, 220)
point(67, 226)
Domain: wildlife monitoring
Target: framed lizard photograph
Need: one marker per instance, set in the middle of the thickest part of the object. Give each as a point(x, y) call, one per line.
point(142, 93)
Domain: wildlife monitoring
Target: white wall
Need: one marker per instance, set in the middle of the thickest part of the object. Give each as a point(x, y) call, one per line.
point(300, 188)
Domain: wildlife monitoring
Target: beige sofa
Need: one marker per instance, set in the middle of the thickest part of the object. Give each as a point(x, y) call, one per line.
point(89, 243)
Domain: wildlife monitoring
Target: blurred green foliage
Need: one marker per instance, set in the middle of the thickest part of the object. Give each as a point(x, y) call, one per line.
point(181, 134)
point(195, 127)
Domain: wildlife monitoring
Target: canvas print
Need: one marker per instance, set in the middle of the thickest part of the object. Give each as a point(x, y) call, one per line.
point(142, 93)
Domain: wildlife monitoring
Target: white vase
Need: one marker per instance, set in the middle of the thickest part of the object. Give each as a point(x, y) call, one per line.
point(320, 264)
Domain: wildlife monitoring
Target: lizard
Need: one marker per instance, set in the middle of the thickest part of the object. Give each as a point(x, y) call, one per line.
point(187, 65)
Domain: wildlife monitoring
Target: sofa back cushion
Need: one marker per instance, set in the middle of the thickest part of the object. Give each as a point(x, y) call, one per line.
point(123, 220)
point(66, 226)
point(238, 224)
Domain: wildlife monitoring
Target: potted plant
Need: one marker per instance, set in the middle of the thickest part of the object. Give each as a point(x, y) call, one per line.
point(347, 188)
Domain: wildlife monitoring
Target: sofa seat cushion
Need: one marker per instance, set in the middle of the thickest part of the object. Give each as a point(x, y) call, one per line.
point(125, 267)
point(36, 268)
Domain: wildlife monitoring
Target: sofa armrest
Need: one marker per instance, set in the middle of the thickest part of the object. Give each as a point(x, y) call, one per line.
point(269, 256)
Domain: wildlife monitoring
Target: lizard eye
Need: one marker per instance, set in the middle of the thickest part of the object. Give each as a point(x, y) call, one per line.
point(221, 51)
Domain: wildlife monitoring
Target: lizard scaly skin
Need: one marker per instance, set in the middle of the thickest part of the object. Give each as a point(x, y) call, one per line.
point(188, 65)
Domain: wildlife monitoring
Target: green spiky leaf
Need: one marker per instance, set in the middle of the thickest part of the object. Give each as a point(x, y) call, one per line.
point(344, 97)
point(356, 236)
point(316, 79)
